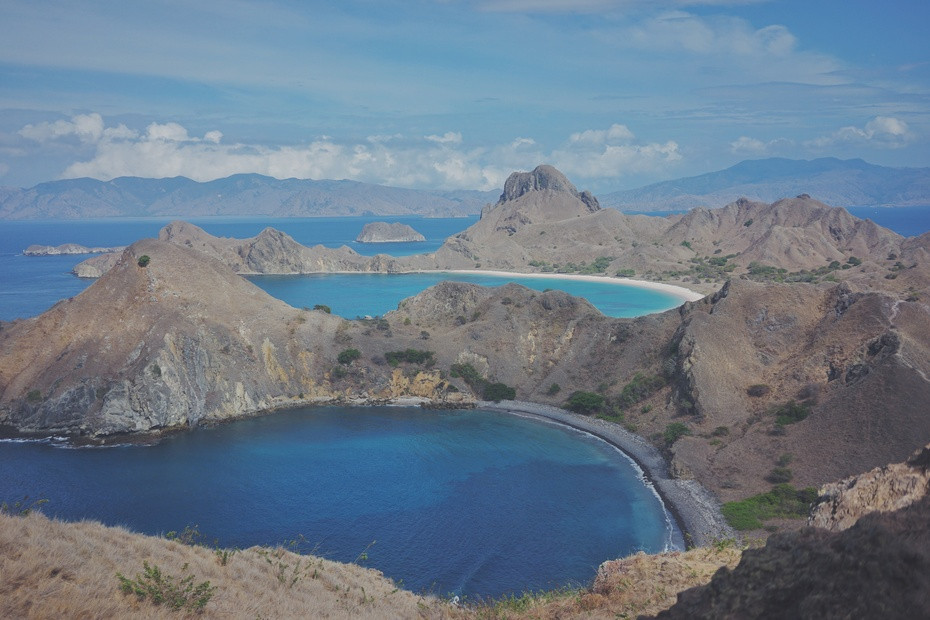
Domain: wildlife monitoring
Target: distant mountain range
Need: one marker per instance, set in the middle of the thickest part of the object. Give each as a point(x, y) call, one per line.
point(241, 194)
point(836, 182)
point(843, 183)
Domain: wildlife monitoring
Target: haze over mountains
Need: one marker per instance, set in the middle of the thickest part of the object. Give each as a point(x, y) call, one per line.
point(838, 182)
point(848, 183)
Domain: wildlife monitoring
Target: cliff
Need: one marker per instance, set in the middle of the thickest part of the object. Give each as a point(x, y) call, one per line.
point(384, 232)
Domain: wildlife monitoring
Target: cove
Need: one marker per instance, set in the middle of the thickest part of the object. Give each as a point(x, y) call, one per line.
point(352, 295)
point(469, 502)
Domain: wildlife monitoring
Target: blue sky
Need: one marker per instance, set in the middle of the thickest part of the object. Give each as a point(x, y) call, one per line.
point(456, 94)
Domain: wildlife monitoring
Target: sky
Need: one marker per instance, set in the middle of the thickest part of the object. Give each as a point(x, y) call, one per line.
point(456, 94)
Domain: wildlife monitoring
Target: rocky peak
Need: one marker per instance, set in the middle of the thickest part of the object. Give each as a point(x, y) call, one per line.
point(544, 178)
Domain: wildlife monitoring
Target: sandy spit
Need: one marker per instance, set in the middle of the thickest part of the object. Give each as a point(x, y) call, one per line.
point(695, 508)
point(685, 294)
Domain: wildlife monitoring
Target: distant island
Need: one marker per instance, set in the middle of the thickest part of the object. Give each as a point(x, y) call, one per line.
point(68, 248)
point(384, 232)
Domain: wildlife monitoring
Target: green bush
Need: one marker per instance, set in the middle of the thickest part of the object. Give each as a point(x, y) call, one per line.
point(790, 412)
point(173, 592)
point(584, 402)
point(782, 502)
point(34, 396)
point(554, 389)
point(410, 356)
point(348, 356)
point(757, 390)
point(721, 431)
point(639, 388)
point(323, 308)
point(779, 475)
point(498, 392)
point(674, 432)
point(144, 260)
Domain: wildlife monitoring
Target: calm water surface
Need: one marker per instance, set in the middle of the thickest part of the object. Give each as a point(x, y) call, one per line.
point(470, 502)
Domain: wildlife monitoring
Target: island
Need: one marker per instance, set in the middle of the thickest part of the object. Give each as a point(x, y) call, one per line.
point(68, 248)
point(388, 232)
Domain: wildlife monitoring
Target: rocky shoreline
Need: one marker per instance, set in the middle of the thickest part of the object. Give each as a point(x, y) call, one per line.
point(695, 509)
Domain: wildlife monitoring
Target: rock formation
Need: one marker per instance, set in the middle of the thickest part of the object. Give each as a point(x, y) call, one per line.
point(883, 489)
point(384, 232)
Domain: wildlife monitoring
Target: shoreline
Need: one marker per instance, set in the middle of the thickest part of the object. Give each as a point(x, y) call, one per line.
point(694, 508)
point(681, 292)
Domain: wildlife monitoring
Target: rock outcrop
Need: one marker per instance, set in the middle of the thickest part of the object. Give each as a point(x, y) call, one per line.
point(883, 489)
point(384, 232)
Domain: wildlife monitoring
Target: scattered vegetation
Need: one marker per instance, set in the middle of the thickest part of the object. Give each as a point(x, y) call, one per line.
point(790, 412)
point(638, 389)
point(176, 593)
point(22, 507)
point(675, 431)
point(144, 260)
point(409, 356)
point(585, 402)
point(323, 308)
point(347, 356)
point(757, 390)
point(34, 396)
point(489, 391)
point(782, 502)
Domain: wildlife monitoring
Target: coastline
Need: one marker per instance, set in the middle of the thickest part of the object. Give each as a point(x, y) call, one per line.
point(685, 294)
point(695, 510)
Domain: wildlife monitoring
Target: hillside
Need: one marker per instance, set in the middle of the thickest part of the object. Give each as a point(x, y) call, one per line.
point(849, 183)
point(243, 194)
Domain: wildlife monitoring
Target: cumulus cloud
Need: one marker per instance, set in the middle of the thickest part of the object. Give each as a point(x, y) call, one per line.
point(440, 160)
point(744, 145)
point(450, 137)
point(881, 131)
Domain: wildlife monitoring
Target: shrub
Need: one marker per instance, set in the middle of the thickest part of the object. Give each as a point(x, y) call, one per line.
point(348, 356)
point(748, 222)
point(173, 592)
point(34, 396)
point(721, 431)
point(498, 392)
point(783, 501)
point(323, 308)
point(779, 475)
point(757, 390)
point(853, 261)
point(144, 260)
point(554, 389)
point(639, 388)
point(674, 432)
point(584, 402)
point(411, 356)
point(790, 412)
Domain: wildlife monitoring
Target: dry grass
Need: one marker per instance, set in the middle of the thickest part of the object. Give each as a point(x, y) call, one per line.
point(637, 585)
point(52, 569)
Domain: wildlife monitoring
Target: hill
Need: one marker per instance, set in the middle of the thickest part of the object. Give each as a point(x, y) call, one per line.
point(849, 183)
point(242, 194)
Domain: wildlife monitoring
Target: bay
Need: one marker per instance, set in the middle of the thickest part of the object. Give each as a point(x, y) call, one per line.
point(473, 502)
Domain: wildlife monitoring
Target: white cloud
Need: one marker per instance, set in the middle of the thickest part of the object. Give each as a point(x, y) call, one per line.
point(744, 145)
point(616, 133)
point(881, 131)
point(440, 161)
point(450, 137)
point(86, 127)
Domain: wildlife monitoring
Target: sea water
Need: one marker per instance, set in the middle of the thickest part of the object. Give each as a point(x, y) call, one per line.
point(469, 502)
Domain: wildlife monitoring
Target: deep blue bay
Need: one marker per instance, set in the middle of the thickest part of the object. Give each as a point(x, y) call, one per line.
point(467, 502)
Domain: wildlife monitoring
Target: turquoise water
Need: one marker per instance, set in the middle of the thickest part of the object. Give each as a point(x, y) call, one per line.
point(466, 502)
point(373, 294)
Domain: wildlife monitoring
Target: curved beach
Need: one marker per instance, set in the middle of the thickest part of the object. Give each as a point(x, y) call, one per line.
point(695, 508)
point(685, 294)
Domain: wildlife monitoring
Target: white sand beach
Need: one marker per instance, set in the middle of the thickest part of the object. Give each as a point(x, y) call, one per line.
point(685, 294)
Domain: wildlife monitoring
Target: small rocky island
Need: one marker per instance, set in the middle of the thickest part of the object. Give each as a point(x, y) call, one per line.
point(68, 248)
point(388, 232)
